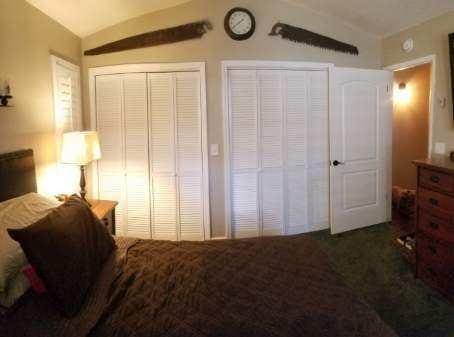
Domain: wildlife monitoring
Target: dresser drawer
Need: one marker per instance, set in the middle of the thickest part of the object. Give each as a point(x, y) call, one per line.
point(433, 276)
point(435, 201)
point(440, 227)
point(436, 251)
point(434, 179)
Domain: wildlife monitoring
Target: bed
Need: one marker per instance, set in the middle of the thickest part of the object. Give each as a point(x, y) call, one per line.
point(275, 286)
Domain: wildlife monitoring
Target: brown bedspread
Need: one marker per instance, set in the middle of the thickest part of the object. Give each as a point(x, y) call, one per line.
point(276, 287)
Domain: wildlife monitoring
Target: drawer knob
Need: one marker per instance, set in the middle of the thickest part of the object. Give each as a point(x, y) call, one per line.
point(433, 201)
point(435, 179)
point(433, 250)
point(433, 225)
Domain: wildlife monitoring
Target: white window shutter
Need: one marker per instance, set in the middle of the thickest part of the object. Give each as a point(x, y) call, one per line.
point(109, 106)
point(189, 155)
point(162, 150)
point(137, 200)
point(67, 117)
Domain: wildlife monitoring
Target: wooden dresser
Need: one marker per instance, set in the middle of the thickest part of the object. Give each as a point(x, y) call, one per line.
point(435, 224)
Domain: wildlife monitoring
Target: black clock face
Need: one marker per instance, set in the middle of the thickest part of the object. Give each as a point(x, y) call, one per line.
point(239, 23)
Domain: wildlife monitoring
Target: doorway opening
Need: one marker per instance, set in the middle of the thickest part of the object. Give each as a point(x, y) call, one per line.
point(412, 138)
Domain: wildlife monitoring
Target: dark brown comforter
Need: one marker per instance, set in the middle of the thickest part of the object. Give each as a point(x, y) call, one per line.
point(280, 286)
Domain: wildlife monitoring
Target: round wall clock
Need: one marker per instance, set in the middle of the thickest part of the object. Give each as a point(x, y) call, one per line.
point(239, 24)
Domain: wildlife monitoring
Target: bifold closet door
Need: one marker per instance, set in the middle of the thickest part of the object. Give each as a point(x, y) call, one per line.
point(176, 161)
point(122, 118)
point(137, 187)
point(278, 151)
point(109, 119)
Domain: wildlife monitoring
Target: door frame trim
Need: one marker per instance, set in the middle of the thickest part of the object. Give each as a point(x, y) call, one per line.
point(228, 65)
point(432, 60)
point(156, 68)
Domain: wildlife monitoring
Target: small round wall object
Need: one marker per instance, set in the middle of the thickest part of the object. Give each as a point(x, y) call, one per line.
point(239, 24)
point(408, 45)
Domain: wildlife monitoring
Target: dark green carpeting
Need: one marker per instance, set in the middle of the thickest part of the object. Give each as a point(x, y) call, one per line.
point(371, 265)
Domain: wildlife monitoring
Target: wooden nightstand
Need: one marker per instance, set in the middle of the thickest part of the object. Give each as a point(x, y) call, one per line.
point(105, 211)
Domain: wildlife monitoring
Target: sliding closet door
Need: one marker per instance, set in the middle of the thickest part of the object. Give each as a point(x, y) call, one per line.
point(189, 156)
point(162, 153)
point(244, 153)
point(109, 108)
point(137, 188)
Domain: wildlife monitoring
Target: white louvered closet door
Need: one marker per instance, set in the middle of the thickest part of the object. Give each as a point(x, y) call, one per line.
point(109, 115)
point(162, 156)
point(244, 153)
point(297, 127)
point(189, 159)
point(137, 187)
point(319, 152)
point(271, 152)
point(278, 151)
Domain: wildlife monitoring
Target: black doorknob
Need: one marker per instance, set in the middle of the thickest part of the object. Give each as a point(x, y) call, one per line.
point(337, 163)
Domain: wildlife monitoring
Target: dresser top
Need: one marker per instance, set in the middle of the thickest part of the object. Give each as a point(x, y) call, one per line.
point(439, 163)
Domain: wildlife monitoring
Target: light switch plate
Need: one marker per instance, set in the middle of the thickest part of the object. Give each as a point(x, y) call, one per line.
point(214, 150)
point(440, 148)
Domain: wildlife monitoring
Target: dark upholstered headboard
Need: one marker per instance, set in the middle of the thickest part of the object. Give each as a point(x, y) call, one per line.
point(17, 174)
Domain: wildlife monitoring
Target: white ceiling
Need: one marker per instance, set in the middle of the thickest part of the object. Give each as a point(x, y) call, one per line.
point(381, 17)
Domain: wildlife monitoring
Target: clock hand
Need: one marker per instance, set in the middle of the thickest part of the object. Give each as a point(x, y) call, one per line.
point(234, 26)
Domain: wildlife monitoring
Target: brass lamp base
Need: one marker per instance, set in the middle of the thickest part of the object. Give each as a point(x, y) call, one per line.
point(82, 183)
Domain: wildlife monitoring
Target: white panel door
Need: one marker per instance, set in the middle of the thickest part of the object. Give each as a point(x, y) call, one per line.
point(244, 153)
point(109, 114)
point(137, 198)
point(189, 156)
point(162, 156)
point(271, 157)
point(360, 124)
point(297, 150)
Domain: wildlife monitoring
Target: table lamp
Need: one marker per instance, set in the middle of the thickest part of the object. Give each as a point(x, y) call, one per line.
point(80, 148)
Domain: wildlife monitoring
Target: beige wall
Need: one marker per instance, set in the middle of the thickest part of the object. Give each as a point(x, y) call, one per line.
point(430, 38)
point(217, 46)
point(27, 38)
point(411, 125)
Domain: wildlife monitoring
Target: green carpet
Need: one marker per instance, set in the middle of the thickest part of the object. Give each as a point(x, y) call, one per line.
point(373, 266)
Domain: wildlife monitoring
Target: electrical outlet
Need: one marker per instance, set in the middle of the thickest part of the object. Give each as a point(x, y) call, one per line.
point(440, 148)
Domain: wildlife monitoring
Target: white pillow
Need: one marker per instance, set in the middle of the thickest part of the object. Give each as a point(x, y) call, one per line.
point(18, 213)
point(17, 286)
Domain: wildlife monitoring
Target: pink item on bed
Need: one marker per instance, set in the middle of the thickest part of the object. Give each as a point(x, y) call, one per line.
point(35, 281)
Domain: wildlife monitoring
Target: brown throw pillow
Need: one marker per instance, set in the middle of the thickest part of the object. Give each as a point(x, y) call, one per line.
point(67, 248)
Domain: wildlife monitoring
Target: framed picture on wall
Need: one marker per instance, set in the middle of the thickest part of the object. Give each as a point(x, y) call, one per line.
point(451, 55)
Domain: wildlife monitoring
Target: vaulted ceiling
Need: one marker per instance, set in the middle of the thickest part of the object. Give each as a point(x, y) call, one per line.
point(85, 17)
point(380, 17)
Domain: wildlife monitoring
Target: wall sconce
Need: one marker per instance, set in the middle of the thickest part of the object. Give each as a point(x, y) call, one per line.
point(402, 94)
point(5, 94)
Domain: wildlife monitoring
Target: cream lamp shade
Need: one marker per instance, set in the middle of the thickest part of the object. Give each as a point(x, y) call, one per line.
point(80, 148)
